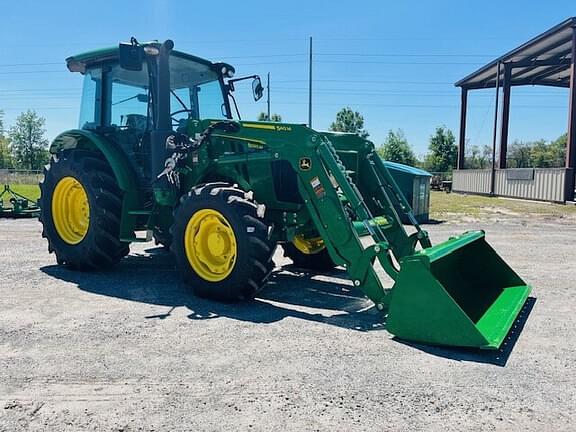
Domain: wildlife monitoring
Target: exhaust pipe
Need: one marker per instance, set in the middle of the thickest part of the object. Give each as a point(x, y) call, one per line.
point(162, 121)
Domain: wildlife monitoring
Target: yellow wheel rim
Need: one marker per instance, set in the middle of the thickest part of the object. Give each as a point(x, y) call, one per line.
point(309, 246)
point(70, 210)
point(210, 245)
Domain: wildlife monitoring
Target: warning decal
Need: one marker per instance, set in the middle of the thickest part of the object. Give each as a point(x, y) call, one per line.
point(318, 188)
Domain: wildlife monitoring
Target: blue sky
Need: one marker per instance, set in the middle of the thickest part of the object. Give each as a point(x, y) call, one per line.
point(395, 62)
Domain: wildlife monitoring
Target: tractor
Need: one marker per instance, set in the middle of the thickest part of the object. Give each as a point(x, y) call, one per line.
point(161, 152)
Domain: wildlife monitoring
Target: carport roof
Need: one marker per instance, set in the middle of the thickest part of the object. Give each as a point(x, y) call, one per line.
point(544, 60)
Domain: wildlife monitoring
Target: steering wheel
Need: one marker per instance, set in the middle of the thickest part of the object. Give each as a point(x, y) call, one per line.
point(172, 114)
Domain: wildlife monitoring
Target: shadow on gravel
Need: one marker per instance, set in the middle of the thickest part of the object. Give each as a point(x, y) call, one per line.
point(494, 357)
point(432, 222)
point(152, 279)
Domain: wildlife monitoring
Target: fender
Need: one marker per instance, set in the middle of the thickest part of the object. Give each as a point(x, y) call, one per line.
point(87, 140)
point(123, 171)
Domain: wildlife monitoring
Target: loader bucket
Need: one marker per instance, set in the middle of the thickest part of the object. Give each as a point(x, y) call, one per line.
point(457, 293)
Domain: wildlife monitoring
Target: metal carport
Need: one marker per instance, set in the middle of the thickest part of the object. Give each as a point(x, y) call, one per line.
point(546, 60)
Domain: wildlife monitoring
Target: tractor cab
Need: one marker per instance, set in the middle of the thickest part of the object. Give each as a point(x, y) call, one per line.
point(138, 94)
point(121, 98)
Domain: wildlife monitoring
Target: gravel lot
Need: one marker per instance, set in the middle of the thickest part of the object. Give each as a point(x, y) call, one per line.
point(131, 349)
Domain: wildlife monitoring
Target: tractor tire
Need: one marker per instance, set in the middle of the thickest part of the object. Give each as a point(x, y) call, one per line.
point(80, 210)
point(319, 261)
point(221, 242)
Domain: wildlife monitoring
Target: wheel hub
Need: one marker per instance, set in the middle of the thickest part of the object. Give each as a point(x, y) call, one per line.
point(210, 245)
point(70, 210)
point(308, 246)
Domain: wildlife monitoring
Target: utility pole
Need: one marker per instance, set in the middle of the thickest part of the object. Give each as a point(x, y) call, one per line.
point(268, 92)
point(310, 88)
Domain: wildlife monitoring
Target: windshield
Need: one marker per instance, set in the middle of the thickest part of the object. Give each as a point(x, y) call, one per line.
point(196, 93)
point(195, 88)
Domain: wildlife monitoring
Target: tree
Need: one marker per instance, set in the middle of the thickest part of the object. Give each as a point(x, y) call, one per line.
point(558, 150)
point(5, 153)
point(519, 155)
point(349, 121)
point(478, 157)
point(540, 155)
point(273, 117)
point(29, 146)
point(397, 149)
point(443, 152)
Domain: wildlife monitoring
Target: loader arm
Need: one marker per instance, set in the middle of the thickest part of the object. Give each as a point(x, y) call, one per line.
point(458, 293)
point(322, 182)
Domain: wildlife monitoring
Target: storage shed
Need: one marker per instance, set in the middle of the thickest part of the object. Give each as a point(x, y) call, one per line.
point(415, 185)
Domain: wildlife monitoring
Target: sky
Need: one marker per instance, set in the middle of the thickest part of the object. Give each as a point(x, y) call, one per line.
point(394, 62)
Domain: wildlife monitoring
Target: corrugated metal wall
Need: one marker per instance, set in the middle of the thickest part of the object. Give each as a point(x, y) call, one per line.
point(472, 181)
point(547, 184)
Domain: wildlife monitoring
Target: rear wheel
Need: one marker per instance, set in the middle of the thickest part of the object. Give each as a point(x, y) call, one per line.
point(308, 253)
point(80, 211)
point(221, 242)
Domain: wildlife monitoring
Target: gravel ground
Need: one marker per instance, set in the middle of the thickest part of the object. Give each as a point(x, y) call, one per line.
point(131, 349)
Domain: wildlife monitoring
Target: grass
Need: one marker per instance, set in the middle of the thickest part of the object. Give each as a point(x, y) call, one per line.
point(443, 206)
point(30, 191)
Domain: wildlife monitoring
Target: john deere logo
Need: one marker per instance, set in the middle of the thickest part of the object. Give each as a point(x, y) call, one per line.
point(305, 164)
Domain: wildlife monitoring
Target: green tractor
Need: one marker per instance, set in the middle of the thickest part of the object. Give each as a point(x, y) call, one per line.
point(158, 155)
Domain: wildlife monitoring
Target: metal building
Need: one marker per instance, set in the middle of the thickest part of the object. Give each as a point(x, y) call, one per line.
point(546, 60)
point(415, 185)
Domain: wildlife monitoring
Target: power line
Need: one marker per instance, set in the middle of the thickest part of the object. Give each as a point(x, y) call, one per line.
point(31, 64)
point(402, 63)
point(33, 72)
point(327, 104)
point(369, 81)
point(418, 105)
point(404, 55)
point(455, 91)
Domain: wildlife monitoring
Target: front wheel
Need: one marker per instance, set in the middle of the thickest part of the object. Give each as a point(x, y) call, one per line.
point(221, 242)
point(81, 207)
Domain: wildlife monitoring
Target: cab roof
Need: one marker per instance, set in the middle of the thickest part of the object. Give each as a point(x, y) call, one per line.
point(80, 62)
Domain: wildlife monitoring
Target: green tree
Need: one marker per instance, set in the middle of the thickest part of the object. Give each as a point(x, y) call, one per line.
point(349, 121)
point(5, 152)
point(273, 117)
point(29, 145)
point(478, 157)
point(538, 154)
point(397, 149)
point(558, 150)
point(541, 155)
point(519, 155)
point(443, 152)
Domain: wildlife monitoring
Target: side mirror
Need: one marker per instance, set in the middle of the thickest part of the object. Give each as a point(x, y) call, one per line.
point(142, 97)
point(257, 89)
point(131, 56)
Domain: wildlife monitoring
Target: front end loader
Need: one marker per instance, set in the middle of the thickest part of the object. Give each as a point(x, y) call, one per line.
point(159, 155)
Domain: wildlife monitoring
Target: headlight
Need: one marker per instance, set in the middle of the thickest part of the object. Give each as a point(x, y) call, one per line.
point(151, 50)
point(227, 72)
